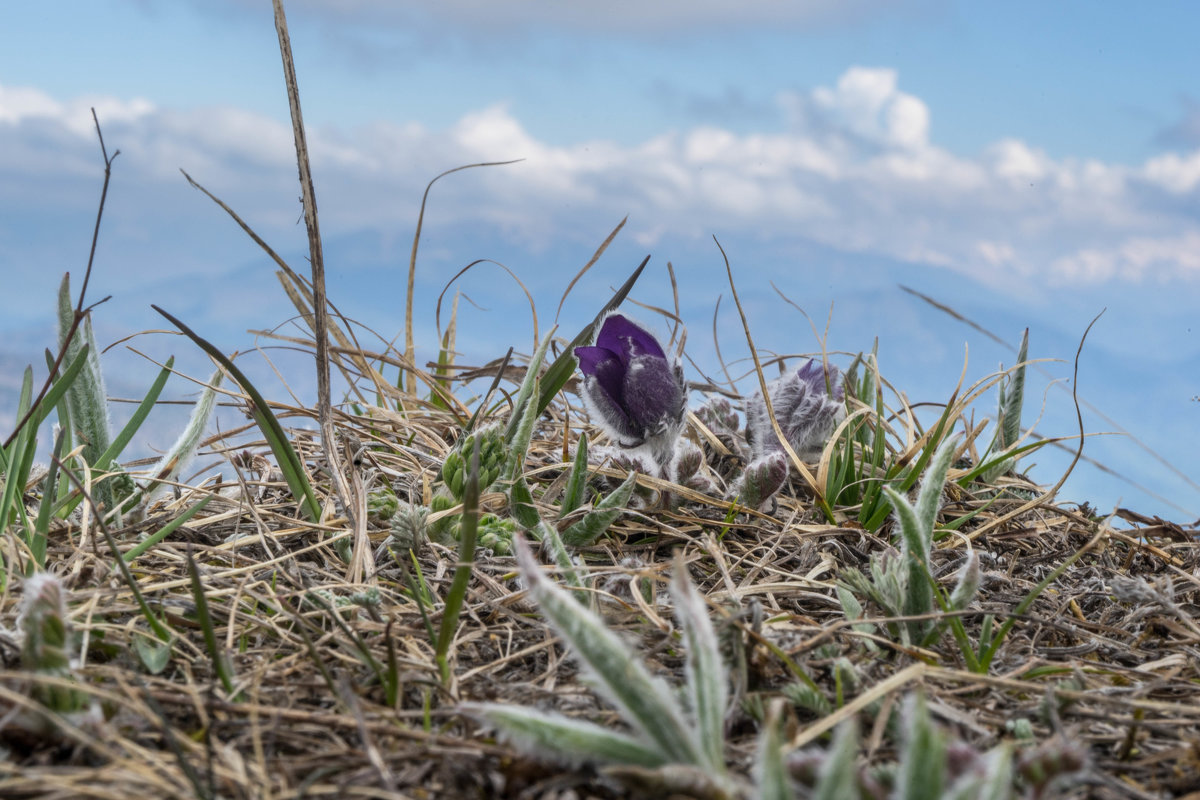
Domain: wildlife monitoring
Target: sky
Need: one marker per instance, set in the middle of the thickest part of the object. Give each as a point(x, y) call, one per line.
point(1029, 164)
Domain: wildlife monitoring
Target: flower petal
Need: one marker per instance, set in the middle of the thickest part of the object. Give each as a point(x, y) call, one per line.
point(590, 358)
point(627, 339)
point(602, 394)
point(652, 395)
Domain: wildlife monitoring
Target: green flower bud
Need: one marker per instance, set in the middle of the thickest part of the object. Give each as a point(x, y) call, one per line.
point(492, 455)
point(382, 504)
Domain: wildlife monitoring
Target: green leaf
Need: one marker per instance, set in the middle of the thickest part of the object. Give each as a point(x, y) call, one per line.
point(836, 779)
point(520, 425)
point(576, 481)
point(1012, 397)
point(707, 681)
point(165, 531)
point(16, 460)
point(41, 526)
point(646, 703)
point(154, 654)
point(220, 659)
point(462, 573)
point(922, 769)
point(969, 579)
point(550, 736)
point(521, 502)
point(603, 514)
point(548, 534)
point(771, 773)
point(929, 498)
point(86, 395)
point(184, 449)
point(139, 416)
point(918, 597)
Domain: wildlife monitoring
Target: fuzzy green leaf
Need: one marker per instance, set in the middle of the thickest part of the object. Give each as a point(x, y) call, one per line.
point(706, 682)
point(603, 514)
point(836, 779)
point(771, 774)
point(645, 702)
point(554, 737)
point(576, 480)
point(922, 769)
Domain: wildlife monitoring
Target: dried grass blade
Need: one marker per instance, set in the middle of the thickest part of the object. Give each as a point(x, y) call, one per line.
point(410, 292)
point(591, 262)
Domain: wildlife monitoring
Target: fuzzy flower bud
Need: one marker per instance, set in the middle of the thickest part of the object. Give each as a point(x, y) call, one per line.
point(632, 390)
point(806, 408)
point(761, 480)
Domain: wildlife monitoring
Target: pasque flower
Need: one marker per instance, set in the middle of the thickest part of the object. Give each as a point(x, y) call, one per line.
point(633, 390)
point(806, 405)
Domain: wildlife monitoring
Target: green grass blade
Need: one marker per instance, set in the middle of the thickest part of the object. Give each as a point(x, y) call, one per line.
point(57, 395)
point(122, 439)
point(41, 526)
point(165, 531)
point(520, 425)
point(219, 659)
point(289, 461)
point(17, 458)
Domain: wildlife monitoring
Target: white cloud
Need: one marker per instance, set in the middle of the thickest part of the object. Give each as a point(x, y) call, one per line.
point(1173, 172)
point(23, 104)
point(851, 166)
point(1133, 259)
point(1016, 162)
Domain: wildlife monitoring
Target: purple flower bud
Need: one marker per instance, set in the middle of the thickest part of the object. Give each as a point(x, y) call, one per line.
point(631, 388)
point(806, 408)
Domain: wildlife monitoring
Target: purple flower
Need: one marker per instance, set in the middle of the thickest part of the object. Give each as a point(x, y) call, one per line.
point(632, 389)
point(806, 407)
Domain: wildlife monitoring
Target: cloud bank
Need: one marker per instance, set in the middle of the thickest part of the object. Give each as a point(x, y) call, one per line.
point(854, 166)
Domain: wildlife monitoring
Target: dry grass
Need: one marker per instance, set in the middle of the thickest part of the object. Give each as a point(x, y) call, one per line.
point(1108, 655)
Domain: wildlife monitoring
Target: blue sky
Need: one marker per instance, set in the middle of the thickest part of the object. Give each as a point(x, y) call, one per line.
point(1029, 163)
